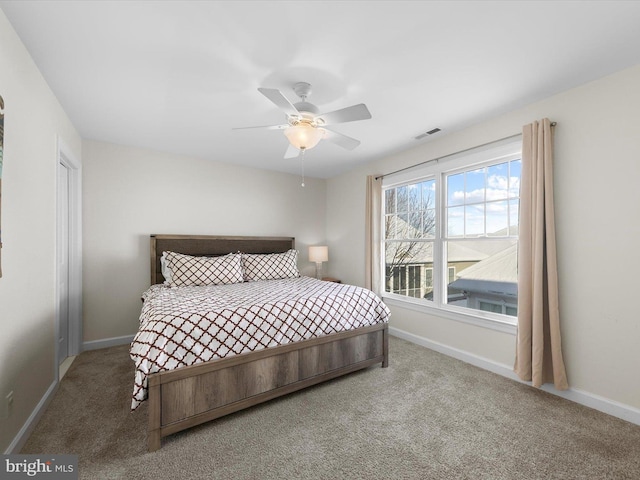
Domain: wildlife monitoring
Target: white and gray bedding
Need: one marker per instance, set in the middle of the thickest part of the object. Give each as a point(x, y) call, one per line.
point(181, 326)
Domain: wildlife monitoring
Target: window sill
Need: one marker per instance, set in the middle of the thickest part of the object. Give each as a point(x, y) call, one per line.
point(451, 314)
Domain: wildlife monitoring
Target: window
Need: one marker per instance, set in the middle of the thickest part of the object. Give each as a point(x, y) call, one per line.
point(503, 308)
point(409, 227)
point(451, 232)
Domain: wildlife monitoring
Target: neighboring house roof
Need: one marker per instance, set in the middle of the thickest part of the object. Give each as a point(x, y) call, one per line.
point(422, 252)
point(496, 275)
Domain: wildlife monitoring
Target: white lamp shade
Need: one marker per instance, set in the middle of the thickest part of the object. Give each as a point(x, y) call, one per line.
point(304, 136)
point(319, 254)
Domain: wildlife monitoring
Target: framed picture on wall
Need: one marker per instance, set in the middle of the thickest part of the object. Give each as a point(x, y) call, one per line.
point(1, 150)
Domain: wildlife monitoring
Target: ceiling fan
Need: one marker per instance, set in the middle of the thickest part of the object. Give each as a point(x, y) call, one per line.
point(306, 126)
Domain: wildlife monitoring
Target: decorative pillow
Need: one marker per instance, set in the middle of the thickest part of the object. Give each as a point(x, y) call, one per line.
point(270, 266)
point(186, 270)
point(166, 271)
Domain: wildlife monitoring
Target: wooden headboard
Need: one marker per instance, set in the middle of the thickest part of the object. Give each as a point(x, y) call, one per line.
point(212, 246)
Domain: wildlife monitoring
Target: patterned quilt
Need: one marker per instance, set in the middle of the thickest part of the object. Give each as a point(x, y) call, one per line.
point(182, 326)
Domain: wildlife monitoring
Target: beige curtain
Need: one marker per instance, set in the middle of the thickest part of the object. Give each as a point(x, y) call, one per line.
point(373, 233)
point(538, 349)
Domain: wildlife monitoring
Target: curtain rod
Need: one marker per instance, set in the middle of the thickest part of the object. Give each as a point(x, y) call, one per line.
point(553, 124)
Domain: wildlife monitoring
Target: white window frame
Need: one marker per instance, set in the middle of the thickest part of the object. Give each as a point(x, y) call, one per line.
point(505, 150)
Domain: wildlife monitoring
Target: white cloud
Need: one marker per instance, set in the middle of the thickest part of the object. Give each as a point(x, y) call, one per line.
point(496, 207)
point(499, 182)
point(499, 188)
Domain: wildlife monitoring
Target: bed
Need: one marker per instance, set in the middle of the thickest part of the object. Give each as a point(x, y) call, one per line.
point(183, 394)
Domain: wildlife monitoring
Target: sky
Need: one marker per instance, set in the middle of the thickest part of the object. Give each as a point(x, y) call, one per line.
point(483, 201)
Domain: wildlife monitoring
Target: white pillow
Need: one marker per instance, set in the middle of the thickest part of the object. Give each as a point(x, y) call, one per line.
point(166, 271)
point(270, 266)
point(186, 270)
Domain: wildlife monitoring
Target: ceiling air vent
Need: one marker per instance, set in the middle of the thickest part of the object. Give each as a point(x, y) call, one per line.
point(426, 134)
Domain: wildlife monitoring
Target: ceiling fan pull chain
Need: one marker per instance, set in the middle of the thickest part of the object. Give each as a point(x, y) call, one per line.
point(302, 165)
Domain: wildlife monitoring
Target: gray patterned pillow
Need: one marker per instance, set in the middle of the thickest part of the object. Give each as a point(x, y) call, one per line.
point(187, 270)
point(270, 266)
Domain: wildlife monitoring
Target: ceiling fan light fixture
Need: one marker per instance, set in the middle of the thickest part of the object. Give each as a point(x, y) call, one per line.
point(304, 136)
point(304, 122)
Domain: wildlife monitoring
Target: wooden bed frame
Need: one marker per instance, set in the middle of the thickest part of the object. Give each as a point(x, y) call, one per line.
point(188, 396)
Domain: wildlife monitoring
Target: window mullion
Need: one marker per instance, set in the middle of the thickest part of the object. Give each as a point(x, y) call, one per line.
point(440, 214)
point(484, 198)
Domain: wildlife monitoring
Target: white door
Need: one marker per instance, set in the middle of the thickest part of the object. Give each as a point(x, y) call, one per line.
point(63, 262)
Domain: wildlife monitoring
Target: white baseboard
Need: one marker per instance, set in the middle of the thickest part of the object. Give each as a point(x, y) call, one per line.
point(602, 404)
point(23, 435)
point(107, 342)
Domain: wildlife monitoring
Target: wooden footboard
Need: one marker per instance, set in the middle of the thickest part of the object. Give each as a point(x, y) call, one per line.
point(192, 395)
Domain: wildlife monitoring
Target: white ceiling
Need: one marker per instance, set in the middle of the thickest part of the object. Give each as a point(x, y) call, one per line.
point(178, 76)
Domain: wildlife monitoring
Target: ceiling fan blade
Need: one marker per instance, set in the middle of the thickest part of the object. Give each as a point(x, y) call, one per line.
point(292, 152)
point(279, 100)
point(348, 114)
point(340, 139)
point(266, 127)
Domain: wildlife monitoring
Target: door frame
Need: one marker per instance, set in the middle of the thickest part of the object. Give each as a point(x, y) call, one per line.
point(65, 156)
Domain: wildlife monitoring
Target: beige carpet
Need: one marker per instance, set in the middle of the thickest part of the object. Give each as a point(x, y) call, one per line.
point(427, 416)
